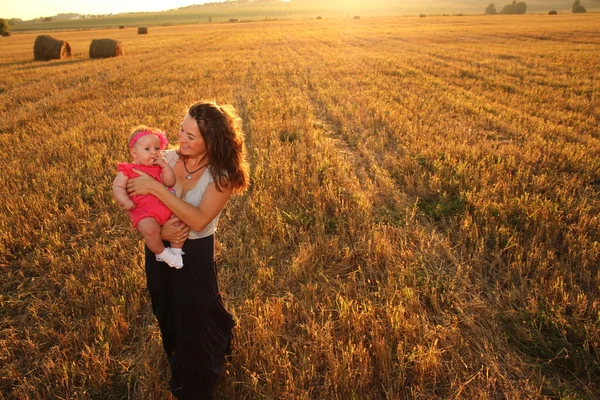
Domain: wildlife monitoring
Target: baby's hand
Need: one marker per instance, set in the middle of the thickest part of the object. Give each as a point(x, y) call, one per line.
point(161, 161)
point(128, 206)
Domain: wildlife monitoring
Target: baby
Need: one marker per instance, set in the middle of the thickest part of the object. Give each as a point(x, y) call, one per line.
point(148, 213)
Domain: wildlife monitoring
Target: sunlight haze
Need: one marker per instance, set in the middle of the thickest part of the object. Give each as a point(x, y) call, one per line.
point(32, 9)
point(27, 10)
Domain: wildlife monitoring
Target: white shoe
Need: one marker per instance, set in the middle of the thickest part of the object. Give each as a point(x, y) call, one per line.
point(172, 259)
point(177, 250)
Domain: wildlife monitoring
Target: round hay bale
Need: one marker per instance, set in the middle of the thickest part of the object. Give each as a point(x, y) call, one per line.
point(553, 12)
point(6, 33)
point(422, 15)
point(142, 30)
point(47, 48)
point(121, 26)
point(102, 48)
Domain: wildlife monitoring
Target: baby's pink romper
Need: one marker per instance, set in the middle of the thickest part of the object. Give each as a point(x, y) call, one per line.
point(146, 206)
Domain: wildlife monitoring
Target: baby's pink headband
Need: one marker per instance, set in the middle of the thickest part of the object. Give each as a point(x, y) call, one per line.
point(161, 136)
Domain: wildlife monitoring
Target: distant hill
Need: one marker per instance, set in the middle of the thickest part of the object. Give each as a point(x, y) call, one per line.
point(444, 6)
point(67, 16)
point(57, 17)
point(253, 10)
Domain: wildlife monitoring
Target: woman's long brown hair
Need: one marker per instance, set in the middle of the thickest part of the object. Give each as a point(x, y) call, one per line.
point(221, 130)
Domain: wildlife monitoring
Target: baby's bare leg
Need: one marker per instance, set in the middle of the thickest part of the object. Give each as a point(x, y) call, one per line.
point(150, 229)
point(177, 245)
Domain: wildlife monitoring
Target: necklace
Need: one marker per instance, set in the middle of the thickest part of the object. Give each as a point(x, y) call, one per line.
point(189, 174)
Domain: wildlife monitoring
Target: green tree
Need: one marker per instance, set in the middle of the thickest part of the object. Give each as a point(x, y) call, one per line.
point(520, 8)
point(514, 8)
point(577, 7)
point(491, 10)
point(4, 26)
point(507, 9)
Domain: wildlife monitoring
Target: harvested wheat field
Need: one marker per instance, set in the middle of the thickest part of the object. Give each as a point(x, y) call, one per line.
point(423, 220)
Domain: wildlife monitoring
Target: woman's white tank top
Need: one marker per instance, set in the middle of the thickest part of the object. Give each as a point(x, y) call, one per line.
point(194, 196)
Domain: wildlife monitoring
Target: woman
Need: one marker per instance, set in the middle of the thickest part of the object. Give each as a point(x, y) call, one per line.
point(210, 167)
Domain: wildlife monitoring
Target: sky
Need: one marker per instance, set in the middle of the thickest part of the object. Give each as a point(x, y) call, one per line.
point(30, 9)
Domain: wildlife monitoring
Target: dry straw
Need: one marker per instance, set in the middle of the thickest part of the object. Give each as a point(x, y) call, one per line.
point(47, 48)
point(102, 48)
point(142, 30)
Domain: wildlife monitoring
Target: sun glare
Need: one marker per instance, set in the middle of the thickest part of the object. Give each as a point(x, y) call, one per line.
point(38, 8)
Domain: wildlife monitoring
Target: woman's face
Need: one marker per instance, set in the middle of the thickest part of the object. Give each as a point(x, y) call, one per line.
point(191, 142)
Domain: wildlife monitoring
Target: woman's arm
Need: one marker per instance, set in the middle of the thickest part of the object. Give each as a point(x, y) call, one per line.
point(174, 231)
point(196, 218)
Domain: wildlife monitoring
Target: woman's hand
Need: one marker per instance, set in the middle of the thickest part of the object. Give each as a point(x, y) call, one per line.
point(174, 231)
point(142, 184)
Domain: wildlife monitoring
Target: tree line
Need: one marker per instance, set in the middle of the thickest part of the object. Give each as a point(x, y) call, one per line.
point(521, 7)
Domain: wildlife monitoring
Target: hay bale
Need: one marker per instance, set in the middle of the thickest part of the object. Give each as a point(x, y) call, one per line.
point(233, 19)
point(357, 17)
point(121, 26)
point(47, 48)
point(6, 33)
point(553, 12)
point(142, 30)
point(422, 15)
point(319, 17)
point(102, 48)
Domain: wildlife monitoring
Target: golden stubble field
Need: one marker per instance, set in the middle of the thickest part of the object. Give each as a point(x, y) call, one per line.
point(423, 220)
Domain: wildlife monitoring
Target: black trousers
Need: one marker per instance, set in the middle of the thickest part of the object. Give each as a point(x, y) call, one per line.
point(196, 328)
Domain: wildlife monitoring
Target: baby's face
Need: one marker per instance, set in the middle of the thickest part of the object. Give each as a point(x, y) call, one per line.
point(146, 150)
